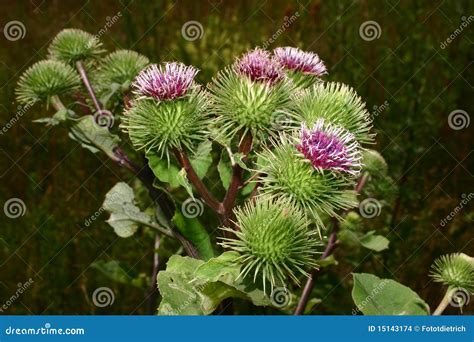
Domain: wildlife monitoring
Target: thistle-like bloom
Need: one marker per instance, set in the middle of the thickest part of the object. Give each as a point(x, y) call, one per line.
point(338, 104)
point(259, 66)
point(298, 60)
point(168, 82)
point(330, 147)
point(286, 173)
point(275, 241)
point(172, 111)
point(253, 95)
point(454, 270)
point(72, 45)
point(45, 79)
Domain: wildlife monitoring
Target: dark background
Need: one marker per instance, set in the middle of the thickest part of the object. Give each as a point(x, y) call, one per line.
point(63, 184)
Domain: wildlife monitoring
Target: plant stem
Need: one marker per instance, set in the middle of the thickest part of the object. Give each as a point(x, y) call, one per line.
point(85, 80)
point(444, 302)
point(331, 245)
point(153, 291)
point(206, 195)
point(57, 103)
point(236, 182)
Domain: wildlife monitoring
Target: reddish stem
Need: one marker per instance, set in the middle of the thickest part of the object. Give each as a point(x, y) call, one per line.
point(206, 195)
point(236, 182)
point(330, 247)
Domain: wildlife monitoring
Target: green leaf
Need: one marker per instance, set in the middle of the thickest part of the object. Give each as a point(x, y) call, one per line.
point(374, 242)
point(182, 179)
point(60, 116)
point(375, 296)
point(329, 261)
point(94, 137)
point(225, 170)
point(125, 216)
point(194, 287)
point(202, 158)
point(194, 231)
point(164, 171)
point(116, 271)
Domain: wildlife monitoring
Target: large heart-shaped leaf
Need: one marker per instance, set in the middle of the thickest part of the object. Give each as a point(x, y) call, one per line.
point(375, 296)
point(194, 287)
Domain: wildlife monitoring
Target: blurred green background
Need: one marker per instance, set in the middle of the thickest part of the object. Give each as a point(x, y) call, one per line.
point(410, 82)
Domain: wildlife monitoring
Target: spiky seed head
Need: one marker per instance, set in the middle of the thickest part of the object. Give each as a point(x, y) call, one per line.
point(303, 67)
point(454, 270)
point(330, 147)
point(157, 126)
point(72, 45)
point(45, 79)
point(169, 81)
point(119, 69)
point(336, 103)
point(286, 173)
point(275, 241)
point(253, 95)
point(259, 66)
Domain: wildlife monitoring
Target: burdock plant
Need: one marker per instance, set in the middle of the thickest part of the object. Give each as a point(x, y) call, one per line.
point(267, 151)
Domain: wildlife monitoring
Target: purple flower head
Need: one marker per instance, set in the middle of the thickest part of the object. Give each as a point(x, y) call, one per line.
point(298, 60)
point(330, 147)
point(259, 66)
point(167, 82)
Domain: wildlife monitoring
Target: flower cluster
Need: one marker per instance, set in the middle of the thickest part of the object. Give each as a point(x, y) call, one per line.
point(259, 66)
point(297, 60)
point(330, 147)
point(168, 82)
